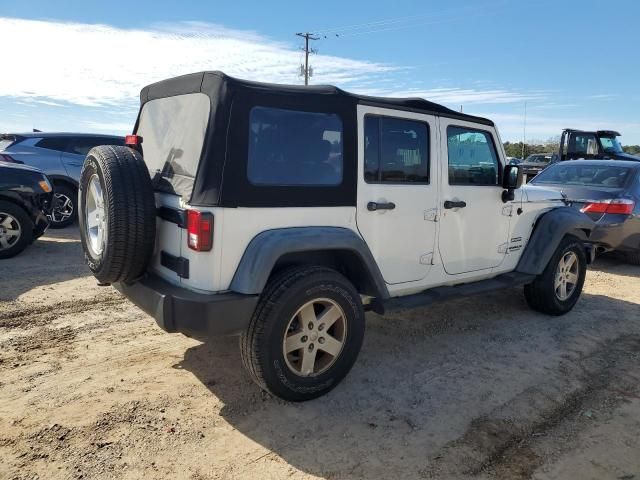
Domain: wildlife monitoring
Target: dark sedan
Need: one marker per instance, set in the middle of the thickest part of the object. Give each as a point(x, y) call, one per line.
point(25, 200)
point(609, 192)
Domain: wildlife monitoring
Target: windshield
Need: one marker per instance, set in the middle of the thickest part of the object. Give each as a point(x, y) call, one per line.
point(584, 175)
point(538, 159)
point(611, 145)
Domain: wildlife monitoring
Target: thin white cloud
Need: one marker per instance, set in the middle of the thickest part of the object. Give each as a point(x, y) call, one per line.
point(99, 65)
point(95, 65)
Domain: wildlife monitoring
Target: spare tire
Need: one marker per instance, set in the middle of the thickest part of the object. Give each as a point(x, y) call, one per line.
point(117, 214)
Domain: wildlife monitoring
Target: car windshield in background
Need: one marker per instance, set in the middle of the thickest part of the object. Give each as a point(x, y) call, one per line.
point(604, 176)
point(538, 159)
point(611, 144)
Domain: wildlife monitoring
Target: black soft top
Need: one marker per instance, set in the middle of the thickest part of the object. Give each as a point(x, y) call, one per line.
point(211, 83)
point(221, 177)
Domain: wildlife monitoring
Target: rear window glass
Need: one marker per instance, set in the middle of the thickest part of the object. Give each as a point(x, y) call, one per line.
point(5, 143)
point(588, 175)
point(173, 131)
point(293, 148)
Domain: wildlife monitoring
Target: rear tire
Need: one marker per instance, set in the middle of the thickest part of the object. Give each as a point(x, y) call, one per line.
point(290, 318)
point(633, 258)
point(117, 214)
point(66, 210)
point(16, 229)
point(545, 293)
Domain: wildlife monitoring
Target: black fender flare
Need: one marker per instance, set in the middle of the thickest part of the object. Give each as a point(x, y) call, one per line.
point(266, 248)
point(548, 231)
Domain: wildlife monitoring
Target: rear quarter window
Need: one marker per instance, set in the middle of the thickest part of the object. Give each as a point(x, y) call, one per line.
point(294, 148)
point(58, 144)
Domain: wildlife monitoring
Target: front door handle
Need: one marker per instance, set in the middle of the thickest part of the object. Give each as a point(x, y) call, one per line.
point(448, 204)
point(373, 206)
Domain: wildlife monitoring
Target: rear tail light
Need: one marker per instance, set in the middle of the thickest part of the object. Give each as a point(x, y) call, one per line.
point(132, 140)
point(8, 158)
point(199, 230)
point(623, 206)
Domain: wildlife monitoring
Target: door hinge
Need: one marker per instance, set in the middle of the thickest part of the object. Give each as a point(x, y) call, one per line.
point(431, 215)
point(507, 210)
point(427, 259)
point(503, 248)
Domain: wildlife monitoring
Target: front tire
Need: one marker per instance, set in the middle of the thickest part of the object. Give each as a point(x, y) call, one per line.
point(16, 229)
point(305, 334)
point(557, 289)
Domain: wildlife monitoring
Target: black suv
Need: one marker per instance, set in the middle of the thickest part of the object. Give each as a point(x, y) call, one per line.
point(25, 200)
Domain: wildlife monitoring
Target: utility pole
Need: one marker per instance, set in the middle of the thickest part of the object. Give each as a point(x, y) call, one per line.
point(307, 36)
point(524, 130)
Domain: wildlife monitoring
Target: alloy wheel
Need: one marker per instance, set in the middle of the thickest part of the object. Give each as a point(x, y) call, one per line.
point(95, 216)
point(63, 208)
point(10, 231)
point(315, 337)
point(566, 279)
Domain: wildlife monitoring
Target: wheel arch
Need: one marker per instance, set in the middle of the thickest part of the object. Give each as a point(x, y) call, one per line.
point(334, 247)
point(62, 180)
point(548, 231)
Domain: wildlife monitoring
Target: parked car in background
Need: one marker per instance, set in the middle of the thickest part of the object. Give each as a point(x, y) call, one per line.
point(514, 160)
point(25, 199)
point(60, 157)
point(609, 192)
point(534, 164)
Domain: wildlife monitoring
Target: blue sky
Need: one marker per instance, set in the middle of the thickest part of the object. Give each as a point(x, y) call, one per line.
point(79, 65)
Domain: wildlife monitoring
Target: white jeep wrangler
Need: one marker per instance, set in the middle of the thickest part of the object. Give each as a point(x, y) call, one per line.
point(283, 213)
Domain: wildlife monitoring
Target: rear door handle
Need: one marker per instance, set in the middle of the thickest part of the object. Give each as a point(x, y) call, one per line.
point(373, 206)
point(448, 204)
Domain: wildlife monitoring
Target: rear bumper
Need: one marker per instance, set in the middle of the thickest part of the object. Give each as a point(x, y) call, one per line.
point(617, 234)
point(177, 309)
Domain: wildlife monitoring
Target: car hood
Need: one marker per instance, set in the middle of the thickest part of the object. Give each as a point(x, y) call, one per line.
point(19, 166)
point(534, 193)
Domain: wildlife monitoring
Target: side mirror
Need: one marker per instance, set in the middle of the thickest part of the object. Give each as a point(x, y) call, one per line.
point(511, 179)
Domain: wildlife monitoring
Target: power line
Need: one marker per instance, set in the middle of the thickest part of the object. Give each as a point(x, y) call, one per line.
point(390, 21)
point(305, 69)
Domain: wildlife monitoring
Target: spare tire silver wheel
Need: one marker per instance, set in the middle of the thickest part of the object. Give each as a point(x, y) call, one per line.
point(117, 214)
point(95, 216)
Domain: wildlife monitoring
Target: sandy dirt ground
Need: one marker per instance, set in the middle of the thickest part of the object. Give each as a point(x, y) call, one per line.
point(480, 387)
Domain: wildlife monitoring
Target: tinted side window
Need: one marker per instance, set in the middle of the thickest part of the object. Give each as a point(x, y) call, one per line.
point(82, 145)
point(583, 144)
point(472, 157)
point(290, 147)
point(53, 143)
point(395, 150)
